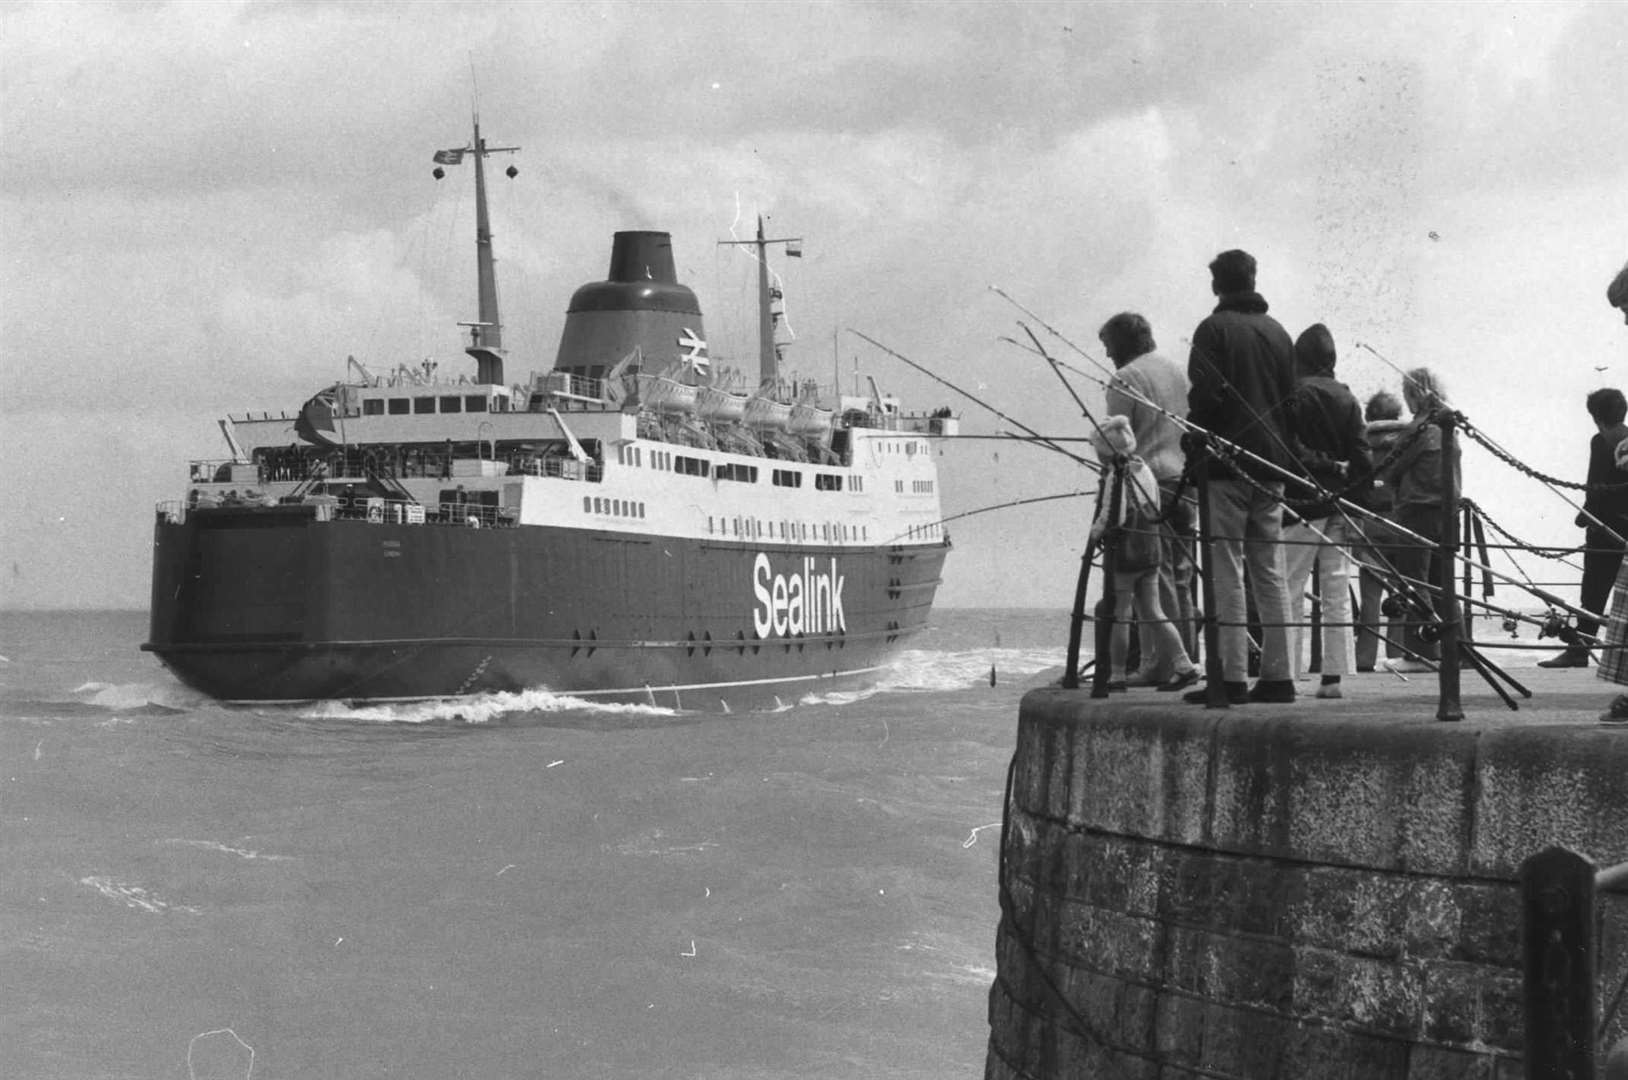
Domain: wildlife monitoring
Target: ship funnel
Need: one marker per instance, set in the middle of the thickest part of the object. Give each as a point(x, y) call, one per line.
point(640, 306)
point(642, 256)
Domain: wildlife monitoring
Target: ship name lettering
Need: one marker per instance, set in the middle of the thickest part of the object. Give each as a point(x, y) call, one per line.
point(809, 601)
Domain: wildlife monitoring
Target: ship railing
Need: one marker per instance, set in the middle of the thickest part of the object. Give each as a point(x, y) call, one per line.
point(222, 471)
point(172, 511)
point(557, 467)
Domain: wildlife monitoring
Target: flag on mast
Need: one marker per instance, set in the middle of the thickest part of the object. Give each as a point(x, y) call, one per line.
point(449, 157)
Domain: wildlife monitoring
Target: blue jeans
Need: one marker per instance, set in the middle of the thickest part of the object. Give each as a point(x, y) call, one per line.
point(1246, 526)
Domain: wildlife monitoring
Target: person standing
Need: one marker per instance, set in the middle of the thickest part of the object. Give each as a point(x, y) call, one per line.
point(1414, 470)
point(1604, 519)
point(1137, 556)
point(1241, 374)
point(1333, 448)
point(1150, 391)
point(1384, 416)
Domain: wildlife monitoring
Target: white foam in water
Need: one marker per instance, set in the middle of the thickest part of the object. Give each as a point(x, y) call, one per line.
point(477, 709)
point(918, 670)
point(133, 895)
point(122, 697)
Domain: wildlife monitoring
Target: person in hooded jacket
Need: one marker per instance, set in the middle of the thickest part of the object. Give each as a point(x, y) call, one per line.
point(1333, 449)
point(1241, 374)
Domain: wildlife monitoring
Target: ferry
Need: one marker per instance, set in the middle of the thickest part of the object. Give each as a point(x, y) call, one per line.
point(626, 526)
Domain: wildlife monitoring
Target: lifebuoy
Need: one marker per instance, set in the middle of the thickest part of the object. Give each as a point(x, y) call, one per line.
point(474, 522)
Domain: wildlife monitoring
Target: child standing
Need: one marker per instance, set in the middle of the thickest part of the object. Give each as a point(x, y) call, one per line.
point(1137, 555)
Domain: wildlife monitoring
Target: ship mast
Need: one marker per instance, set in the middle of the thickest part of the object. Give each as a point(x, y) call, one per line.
point(486, 333)
point(768, 349)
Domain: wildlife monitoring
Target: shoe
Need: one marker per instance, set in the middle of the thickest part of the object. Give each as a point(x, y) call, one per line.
point(1565, 659)
point(1329, 690)
point(1365, 670)
point(1143, 678)
point(1237, 694)
point(1409, 667)
point(1273, 691)
point(1179, 681)
point(1618, 712)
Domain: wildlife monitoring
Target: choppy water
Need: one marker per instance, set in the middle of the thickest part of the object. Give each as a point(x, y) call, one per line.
point(515, 886)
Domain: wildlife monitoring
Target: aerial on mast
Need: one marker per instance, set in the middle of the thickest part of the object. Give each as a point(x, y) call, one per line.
point(486, 333)
point(768, 350)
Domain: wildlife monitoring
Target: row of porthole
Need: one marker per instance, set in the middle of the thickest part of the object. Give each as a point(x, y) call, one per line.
point(598, 504)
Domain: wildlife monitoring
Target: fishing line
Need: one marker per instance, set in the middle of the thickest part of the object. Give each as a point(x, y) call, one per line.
point(969, 396)
point(1344, 505)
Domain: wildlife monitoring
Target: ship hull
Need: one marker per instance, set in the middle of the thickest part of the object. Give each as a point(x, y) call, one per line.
point(274, 604)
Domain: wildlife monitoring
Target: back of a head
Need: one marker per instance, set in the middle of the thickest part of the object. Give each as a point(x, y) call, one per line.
point(1126, 336)
point(1607, 406)
point(1314, 351)
point(1382, 406)
point(1422, 390)
point(1232, 272)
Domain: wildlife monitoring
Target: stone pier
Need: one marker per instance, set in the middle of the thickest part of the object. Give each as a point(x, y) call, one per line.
point(1282, 892)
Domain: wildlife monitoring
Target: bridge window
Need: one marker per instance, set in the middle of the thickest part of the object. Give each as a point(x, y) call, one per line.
point(827, 482)
point(474, 403)
point(398, 406)
point(421, 405)
point(452, 403)
point(373, 407)
point(788, 478)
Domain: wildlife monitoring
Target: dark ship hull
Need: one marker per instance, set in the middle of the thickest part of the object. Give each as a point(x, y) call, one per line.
point(274, 604)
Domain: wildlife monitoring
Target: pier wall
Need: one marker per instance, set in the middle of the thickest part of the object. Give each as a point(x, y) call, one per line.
point(1278, 893)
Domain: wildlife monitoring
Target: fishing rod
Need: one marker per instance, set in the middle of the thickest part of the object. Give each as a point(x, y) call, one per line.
point(1343, 504)
point(1003, 506)
point(968, 395)
point(1494, 445)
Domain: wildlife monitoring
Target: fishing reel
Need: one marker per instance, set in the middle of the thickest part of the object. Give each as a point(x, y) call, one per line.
point(1556, 625)
point(1512, 626)
point(1398, 607)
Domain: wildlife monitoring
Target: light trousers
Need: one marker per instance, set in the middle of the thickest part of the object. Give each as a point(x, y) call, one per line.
point(1246, 527)
point(1305, 545)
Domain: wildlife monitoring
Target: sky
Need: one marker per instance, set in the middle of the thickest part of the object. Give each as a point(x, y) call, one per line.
point(206, 207)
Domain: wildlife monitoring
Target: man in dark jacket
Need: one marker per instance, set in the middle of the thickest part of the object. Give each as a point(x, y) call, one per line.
point(1333, 450)
point(1241, 371)
point(1604, 518)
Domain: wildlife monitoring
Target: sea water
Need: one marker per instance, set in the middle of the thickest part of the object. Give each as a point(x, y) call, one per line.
point(517, 885)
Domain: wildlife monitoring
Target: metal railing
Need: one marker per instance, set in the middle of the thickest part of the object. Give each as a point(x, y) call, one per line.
point(1560, 959)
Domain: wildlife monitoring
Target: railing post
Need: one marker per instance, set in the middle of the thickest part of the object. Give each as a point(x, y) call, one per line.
point(1076, 621)
point(1215, 686)
point(1448, 706)
point(1557, 950)
point(1103, 672)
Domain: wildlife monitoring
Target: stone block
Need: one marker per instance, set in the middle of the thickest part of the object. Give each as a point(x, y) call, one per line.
point(1539, 787)
point(1142, 772)
point(1438, 1063)
point(1391, 796)
point(1107, 941)
point(1358, 993)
